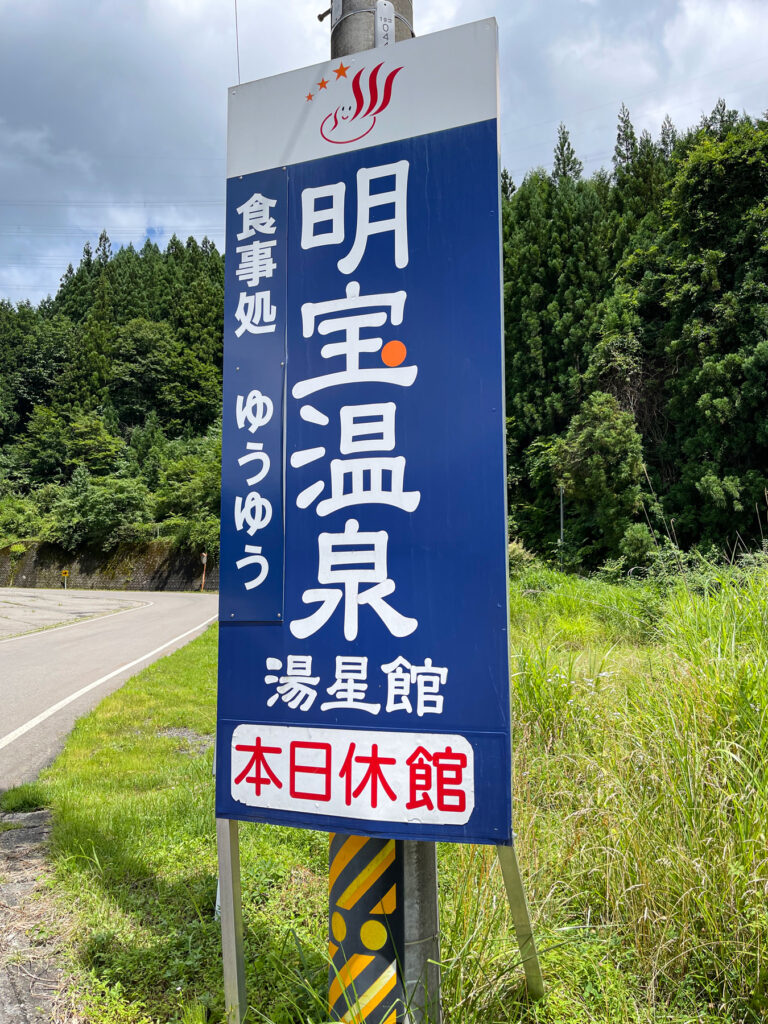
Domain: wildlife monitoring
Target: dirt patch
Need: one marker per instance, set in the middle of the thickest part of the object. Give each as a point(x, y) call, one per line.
point(31, 984)
point(194, 742)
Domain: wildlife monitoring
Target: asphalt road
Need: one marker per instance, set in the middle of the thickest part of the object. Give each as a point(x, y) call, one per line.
point(79, 662)
point(23, 610)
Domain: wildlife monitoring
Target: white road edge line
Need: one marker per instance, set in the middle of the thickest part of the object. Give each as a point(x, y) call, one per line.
point(6, 740)
point(80, 622)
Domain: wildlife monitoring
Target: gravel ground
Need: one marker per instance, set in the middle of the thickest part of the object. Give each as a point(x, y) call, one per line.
point(31, 985)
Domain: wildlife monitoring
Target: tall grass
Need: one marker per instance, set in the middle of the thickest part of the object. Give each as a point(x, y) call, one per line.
point(640, 717)
point(643, 793)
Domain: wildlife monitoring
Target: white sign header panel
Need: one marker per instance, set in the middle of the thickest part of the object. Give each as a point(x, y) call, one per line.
point(365, 99)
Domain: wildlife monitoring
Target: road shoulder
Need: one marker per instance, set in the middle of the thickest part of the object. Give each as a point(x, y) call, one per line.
point(31, 924)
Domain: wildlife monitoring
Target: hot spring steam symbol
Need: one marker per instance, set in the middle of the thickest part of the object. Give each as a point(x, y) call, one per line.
point(352, 121)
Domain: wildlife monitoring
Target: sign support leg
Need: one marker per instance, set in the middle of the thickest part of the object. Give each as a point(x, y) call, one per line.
point(521, 918)
point(228, 843)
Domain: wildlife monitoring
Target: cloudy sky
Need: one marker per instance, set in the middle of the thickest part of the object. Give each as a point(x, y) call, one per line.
point(112, 112)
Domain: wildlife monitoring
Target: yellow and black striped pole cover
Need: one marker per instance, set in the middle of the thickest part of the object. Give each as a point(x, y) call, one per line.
point(366, 932)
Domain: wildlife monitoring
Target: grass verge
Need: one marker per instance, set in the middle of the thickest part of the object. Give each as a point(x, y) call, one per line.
point(641, 727)
point(30, 796)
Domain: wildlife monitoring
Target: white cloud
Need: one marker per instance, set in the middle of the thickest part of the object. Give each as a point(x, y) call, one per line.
point(112, 114)
point(710, 48)
point(594, 65)
point(433, 18)
point(705, 35)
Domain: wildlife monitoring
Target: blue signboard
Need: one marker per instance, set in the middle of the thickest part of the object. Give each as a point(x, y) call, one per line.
point(363, 674)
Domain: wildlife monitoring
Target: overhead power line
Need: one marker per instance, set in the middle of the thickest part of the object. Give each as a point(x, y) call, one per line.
point(26, 231)
point(108, 202)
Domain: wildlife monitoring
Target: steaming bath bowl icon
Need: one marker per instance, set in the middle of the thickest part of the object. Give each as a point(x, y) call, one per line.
point(354, 120)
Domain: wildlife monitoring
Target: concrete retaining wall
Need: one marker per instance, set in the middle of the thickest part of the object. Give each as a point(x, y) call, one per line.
point(155, 566)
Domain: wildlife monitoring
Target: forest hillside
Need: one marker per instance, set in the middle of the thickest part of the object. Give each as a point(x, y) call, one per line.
point(636, 310)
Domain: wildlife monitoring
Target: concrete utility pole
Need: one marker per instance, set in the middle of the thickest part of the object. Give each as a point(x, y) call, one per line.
point(413, 933)
point(353, 24)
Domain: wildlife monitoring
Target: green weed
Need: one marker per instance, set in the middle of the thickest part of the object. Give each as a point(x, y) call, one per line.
point(30, 796)
point(641, 799)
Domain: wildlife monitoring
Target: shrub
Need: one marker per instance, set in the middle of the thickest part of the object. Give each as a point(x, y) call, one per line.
point(637, 545)
point(19, 517)
point(101, 513)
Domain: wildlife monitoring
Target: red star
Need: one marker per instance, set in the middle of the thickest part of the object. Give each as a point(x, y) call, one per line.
point(309, 97)
point(341, 70)
point(322, 84)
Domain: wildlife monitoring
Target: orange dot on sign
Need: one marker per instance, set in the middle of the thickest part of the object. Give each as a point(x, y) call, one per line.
point(393, 353)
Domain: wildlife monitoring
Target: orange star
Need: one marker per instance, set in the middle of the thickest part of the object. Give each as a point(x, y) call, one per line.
point(341, 70)
point(309, 97)
point(322, 84)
